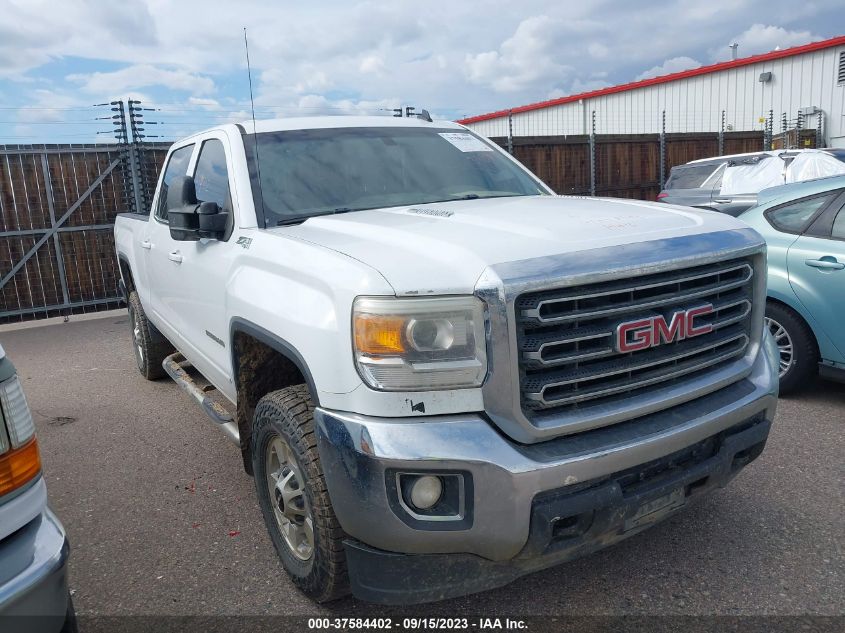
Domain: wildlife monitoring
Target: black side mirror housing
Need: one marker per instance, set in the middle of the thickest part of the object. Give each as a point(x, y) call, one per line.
point(189, 219)
point(182, 210)
point(212, 220)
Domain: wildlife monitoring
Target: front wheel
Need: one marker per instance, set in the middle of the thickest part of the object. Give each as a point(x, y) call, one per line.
point(797, 352)
point(293, 496)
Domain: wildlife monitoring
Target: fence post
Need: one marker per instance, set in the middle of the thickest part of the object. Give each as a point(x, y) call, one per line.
point(593, 155)
point(799, 123)
point(784, 135)
point(121, 133)
point(769, 131)
point(663, 150)
point(819, 132)
point(722, 136)
point(510, 132)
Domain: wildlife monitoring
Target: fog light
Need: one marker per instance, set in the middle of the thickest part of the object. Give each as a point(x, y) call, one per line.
point(426, 491)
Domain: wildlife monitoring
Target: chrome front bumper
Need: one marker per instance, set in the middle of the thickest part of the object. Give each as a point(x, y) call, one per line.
point(358, 453)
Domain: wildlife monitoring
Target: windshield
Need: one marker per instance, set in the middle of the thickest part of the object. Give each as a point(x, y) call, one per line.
point(335, 170)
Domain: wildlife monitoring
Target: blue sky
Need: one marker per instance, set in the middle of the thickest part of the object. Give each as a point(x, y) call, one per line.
point(186, 59)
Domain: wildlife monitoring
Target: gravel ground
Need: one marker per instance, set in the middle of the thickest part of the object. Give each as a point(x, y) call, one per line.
point(163, 520)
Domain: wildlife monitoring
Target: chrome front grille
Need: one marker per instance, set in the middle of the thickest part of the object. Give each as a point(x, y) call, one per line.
point(568, 359)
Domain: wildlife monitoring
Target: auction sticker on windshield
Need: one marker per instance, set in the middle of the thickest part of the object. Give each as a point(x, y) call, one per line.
point(466, 142)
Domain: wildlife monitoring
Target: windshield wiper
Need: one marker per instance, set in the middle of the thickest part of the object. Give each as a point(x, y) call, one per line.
point(299, 219)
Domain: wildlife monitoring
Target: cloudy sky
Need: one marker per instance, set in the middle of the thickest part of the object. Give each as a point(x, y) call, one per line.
point(186, 58)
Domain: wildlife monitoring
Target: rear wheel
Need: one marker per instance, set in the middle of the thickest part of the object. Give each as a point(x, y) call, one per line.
point(293, 496)
point(151, 348)
point(798, 354)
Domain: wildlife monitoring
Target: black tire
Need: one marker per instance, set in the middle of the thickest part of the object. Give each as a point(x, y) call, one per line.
point(805, 354)
point(151, 348)
point(288, 414)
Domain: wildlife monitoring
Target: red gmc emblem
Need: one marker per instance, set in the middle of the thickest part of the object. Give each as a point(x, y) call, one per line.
point(653, 331)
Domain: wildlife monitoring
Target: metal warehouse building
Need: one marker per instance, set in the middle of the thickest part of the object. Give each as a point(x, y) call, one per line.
point(800, 87)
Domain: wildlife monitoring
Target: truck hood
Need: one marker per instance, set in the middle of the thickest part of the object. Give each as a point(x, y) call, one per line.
point(443, 248)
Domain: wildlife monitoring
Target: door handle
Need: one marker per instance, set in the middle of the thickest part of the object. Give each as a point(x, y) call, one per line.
point(722, 200)
point(147, 244)
point(175, 256)
point(828, 263)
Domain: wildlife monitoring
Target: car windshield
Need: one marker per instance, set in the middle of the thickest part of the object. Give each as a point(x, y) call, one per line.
point(304, 173)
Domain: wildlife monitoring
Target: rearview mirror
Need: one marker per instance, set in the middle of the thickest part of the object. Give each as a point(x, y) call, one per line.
point(189, 219)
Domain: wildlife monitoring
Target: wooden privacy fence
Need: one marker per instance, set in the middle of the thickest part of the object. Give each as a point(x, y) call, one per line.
point(57, 209)
point(626, 166)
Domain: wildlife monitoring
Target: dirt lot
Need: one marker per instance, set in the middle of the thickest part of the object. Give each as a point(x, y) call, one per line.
point(162, 518)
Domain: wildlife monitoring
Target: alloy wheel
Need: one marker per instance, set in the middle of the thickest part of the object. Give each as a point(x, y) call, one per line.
point(286, 486)
point(784, 343)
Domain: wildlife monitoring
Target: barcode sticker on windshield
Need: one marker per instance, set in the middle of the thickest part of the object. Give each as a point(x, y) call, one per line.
point(466, 142)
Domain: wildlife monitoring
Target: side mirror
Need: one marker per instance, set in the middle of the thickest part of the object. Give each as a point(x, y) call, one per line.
point(190, 220)
point(212, 220)
point(182, 210)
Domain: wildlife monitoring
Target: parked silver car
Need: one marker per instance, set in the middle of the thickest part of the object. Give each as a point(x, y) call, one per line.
point(34, 549)
point(730, 184)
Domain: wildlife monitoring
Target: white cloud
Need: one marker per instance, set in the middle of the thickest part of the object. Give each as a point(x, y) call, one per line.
point(351, 55)
point(673, 65)
point(525, 60)
point(205, 103)
point(142, 76)
point(372, 64)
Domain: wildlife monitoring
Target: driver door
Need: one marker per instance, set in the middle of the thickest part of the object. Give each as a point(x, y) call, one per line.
point(201, 270)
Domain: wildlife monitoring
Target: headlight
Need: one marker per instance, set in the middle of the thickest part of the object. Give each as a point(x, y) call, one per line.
point(419, 344)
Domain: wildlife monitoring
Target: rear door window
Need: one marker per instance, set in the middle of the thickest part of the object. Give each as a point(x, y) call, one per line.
point(795, 217)
point(177, 166)
point(689, 176)
point(838, 231)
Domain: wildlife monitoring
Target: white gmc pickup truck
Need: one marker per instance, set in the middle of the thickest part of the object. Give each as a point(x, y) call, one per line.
point(441, 375)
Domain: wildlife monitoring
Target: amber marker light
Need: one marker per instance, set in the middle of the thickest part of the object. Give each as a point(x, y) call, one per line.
point(18, 467)
point(377, 334)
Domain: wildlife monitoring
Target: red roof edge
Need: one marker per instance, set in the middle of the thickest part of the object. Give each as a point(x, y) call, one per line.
point(702, 70)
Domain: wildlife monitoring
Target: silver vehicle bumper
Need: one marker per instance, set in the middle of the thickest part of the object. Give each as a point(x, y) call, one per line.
point(357, 453)
point(33, 576)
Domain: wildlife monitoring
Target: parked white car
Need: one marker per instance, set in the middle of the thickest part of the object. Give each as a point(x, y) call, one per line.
point(730, 184)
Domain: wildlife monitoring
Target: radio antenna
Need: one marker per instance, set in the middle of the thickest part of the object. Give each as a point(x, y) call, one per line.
point(254, 131)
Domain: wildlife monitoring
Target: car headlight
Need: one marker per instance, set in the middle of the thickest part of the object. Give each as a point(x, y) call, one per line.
point(419, 344)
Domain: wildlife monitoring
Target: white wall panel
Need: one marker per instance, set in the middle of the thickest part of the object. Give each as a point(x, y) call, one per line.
point(695, 104)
